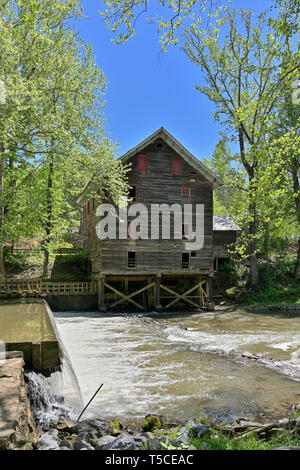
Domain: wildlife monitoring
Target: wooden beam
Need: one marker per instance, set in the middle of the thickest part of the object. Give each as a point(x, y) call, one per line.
point(101, 294)
point(124, 297)
point(157, 286)
point(143, 289)
point(183, 296)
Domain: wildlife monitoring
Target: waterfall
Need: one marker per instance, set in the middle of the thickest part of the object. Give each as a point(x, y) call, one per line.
point(46, 394)
point(47, 405)
point(68, 372)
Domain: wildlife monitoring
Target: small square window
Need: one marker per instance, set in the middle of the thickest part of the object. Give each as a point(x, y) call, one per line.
point(186, 192)
point(185, 260)
point(131, 259)
point(133, 192)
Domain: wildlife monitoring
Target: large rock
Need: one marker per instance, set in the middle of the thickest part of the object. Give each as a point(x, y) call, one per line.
point(140, 441)
point(151, 422)
point(66, 425)
point(102, 442)
point(198, 431)
point(122, 442)
point(184, 436)
point(162, 443)
point(82, 445)
point(91, 429)
point(48, 441)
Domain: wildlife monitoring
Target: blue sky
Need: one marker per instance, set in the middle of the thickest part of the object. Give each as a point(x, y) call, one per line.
point(147, 90)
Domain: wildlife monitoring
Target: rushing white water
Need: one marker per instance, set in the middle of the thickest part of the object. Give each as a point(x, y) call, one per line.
point(47, 402)
point(149, 366)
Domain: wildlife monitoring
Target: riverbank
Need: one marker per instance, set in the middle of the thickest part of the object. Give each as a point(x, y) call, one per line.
point(37, 419)
point(155, 434)
point(175, 367)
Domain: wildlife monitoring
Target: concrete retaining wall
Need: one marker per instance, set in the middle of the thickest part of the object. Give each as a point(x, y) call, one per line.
point(64, 303)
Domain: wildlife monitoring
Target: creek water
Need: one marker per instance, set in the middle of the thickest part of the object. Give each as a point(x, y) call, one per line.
point(180, 367)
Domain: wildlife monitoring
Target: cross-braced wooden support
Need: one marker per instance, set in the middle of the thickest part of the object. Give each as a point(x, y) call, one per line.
point(128, 297)
point(185, 295)
point(210, 301)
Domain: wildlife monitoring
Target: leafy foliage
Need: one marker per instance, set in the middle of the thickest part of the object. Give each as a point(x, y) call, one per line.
point(121, 17)
point(52, 122)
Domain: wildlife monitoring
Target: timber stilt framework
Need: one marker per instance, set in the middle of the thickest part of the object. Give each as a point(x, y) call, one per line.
point(141, 292)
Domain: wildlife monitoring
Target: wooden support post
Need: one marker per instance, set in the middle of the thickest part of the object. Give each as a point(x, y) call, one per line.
point(200, 293)
point(126, 288)
point(210, 301)
point(157, 304)
point(150, 294)
point(101, 294)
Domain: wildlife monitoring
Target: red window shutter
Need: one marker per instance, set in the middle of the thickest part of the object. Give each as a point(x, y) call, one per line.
point(142, 162)
point(176, 166)
point(186, 192)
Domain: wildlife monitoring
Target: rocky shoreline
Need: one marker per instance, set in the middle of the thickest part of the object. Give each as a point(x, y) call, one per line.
point(155, 434)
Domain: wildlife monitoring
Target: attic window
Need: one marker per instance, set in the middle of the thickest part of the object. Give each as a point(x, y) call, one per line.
point(159, 146)
point(185, 260)
point(176, 166)
point(142, 163)
point(131, 259)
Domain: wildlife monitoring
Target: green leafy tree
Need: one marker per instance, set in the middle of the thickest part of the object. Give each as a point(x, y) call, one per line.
point(240, 59)
point(231, 198)
point(281, 175)
point(121, 17)
point(51, 119)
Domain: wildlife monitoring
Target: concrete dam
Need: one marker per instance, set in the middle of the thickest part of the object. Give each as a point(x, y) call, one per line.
point(27, 325)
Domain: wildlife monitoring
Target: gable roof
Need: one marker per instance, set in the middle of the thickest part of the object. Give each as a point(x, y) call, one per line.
point(178, 148)
point(224, 223)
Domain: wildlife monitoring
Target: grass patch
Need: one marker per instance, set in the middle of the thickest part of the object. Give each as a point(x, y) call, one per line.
point(219, 441)
point(274, 296)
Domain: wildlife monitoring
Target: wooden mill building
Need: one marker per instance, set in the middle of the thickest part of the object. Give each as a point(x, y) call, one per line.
point(158, 274)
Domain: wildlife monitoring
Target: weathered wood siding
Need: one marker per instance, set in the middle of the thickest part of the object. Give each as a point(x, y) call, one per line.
point(223, 239)
point(158, 185)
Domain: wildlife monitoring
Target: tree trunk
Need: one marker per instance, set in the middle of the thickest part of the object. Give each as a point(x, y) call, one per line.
point(48, 227)
point(296, 186)
point(297, 265)
point(253, 272)
point(2, 213)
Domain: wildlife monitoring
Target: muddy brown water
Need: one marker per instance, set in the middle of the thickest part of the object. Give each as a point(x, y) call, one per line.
point(25, 321)
point(149, 366)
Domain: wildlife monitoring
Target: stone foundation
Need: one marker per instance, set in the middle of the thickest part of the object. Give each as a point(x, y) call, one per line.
point(17, 429)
